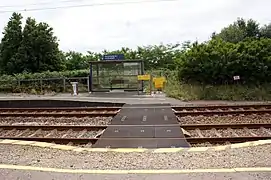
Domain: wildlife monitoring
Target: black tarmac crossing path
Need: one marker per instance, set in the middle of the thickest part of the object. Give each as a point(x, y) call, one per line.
point(151, 126)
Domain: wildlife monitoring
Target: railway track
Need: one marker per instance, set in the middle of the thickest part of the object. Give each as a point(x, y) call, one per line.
point(52, 133)
point(63, 114)
point(59, 112)
point(89, 134)
point(83, 134)
point(232, 133)
point(222, 107)
point(222, 110)
point(70, 109)
point(112, 111)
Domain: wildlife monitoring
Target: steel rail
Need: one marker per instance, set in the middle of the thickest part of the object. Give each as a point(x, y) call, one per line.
point(224, 112)
point(52, 127)
point(62, 109)
point(225, 126)
point(212, 107)
point(57, 140)
point(220, 140)
point(98, 127)
point(96, 114)
point(116, 108)
point(108, 114)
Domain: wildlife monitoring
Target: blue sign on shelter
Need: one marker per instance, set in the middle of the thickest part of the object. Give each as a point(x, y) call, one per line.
point(113, 57)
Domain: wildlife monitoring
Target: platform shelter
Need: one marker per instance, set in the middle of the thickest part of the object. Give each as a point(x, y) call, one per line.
point(106, 76)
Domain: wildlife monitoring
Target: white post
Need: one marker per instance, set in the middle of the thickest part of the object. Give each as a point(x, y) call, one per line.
point(74, 87)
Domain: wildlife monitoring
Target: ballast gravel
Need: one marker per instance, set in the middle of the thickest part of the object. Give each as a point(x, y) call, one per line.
point(52, 133)
point(44, 157)
point(230, 132)
point(85, 121)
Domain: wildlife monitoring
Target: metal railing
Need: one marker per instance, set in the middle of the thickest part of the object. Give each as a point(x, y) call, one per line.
point(62, 84)
point(44, 85)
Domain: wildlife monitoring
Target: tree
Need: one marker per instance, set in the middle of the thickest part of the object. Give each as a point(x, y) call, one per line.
point(239, 31)
point(75, 61)
point(265, 31)
point(9, 63)
point(252, 29)
point(39, 48)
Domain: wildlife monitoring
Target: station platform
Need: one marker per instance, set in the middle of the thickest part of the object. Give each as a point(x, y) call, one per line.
point(125, 98)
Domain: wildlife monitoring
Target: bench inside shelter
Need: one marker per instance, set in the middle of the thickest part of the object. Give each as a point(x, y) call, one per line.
point(118, 82)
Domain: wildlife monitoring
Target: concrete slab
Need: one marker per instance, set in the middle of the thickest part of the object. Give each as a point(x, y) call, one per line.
point(134, 119)
point(149, 143)
point(125, 132)
point(167, 132)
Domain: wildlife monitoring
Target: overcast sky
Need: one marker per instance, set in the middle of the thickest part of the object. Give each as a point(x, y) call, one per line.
point(95, 28)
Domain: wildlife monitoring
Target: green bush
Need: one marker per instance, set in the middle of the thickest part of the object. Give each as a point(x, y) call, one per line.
point(45, 75)
point(217, 61)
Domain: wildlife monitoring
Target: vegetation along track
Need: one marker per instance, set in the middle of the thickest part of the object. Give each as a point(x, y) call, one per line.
point(196, 133)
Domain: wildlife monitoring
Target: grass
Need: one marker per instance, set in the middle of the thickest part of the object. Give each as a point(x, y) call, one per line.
point(188, 92)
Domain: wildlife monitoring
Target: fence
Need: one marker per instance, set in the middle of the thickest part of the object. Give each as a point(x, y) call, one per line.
point(44, 85)
point(62, 84)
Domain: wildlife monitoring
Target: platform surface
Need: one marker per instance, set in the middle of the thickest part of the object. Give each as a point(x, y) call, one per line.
point(146, 127)
point(6, 174)
point(121, 98)
point(112, 98)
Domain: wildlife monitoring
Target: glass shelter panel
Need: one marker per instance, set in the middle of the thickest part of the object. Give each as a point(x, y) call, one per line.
point(106, 76)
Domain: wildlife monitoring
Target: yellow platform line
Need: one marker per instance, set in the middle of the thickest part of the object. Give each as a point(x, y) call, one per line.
point(151, 171)
point(137, 150)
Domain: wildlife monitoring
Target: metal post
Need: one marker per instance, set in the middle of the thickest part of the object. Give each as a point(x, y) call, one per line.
point(88, 83)
point(19, 85)
point(90, 78)
point(141, 73)
point(150, 84)
point(98, 73)
point(41, 85)
point(138, 86)
point(64, 84)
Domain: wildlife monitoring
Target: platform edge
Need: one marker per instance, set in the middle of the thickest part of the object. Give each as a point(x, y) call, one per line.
point(134, 150)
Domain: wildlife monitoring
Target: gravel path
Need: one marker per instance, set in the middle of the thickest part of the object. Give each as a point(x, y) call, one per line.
point(55, 121)
point(35, 156)
point(266, 118)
